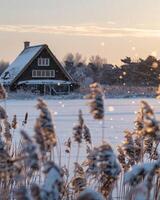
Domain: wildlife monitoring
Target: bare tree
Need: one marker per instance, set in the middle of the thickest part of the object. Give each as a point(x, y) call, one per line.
point(98, 61)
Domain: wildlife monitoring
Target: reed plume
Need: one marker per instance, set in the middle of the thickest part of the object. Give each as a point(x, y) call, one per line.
point(141, 178)
point(122, 159)
point(14, 122)
point(78, 128)
point(68, 145)
point(79, 181)
point(45, 124)
point(29, 151)
point(39, 138)
point(128, 147)
point(87, 134)
point(24, 122)
point(102, 165)
point(96, 101)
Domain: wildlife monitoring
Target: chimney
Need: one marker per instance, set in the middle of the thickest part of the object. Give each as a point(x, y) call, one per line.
point(26, 44)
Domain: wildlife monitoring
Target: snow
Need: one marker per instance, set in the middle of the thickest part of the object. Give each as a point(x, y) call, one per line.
point(32, 82)
point(121, 118)
point(91, 193)
point(137, 169)
point(19, 63)
point(52, 177)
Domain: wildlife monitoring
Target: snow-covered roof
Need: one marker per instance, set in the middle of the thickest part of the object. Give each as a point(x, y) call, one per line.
point(41, 82)
point(19, 63)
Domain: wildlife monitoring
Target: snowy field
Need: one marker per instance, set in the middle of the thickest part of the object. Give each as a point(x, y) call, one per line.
point(119, 116)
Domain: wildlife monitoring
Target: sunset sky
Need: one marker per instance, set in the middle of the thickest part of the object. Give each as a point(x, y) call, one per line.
point(110, 28)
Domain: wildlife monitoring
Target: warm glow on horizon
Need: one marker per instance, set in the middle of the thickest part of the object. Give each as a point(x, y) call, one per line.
point(113, 30)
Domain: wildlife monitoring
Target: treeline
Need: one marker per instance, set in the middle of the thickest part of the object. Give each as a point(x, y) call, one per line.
point(143, 72)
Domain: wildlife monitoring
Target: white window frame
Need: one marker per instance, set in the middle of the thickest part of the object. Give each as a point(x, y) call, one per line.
point(43, 73)
point(43, 62)
point(47, 60)
point(34, 73)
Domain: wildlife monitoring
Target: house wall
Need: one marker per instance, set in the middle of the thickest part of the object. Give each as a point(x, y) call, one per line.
point(27, 74)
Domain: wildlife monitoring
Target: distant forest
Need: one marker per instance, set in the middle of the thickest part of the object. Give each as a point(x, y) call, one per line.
point(143, 72)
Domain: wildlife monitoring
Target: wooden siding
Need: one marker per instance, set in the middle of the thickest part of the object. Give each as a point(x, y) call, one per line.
point(27, 74)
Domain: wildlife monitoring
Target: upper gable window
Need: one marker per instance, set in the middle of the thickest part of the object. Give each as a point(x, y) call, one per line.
point(43, 62)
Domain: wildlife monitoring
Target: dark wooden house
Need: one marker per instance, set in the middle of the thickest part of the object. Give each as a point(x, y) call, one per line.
point(38, 70)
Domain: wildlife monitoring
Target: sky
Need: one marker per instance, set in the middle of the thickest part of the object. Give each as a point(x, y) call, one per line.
point(110, 28)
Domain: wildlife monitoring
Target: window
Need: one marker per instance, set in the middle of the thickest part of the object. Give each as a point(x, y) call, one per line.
point(38, 73)
point(43, 73)
point(43, 62)
point(47, 61)
point(34, 74)
point(52, 73)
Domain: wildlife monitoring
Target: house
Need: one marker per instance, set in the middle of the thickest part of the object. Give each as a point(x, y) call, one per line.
point(38, 70)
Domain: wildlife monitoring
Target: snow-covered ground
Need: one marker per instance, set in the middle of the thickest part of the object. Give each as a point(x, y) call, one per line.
point(120, 115)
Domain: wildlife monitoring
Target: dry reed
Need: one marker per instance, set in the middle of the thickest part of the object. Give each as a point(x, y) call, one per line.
point(29, 170)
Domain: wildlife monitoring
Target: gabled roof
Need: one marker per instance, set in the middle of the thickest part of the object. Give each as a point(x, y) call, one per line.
point(20, 62)
point(23, 60)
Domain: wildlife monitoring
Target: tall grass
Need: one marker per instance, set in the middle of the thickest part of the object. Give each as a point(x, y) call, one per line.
point(29, 170)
